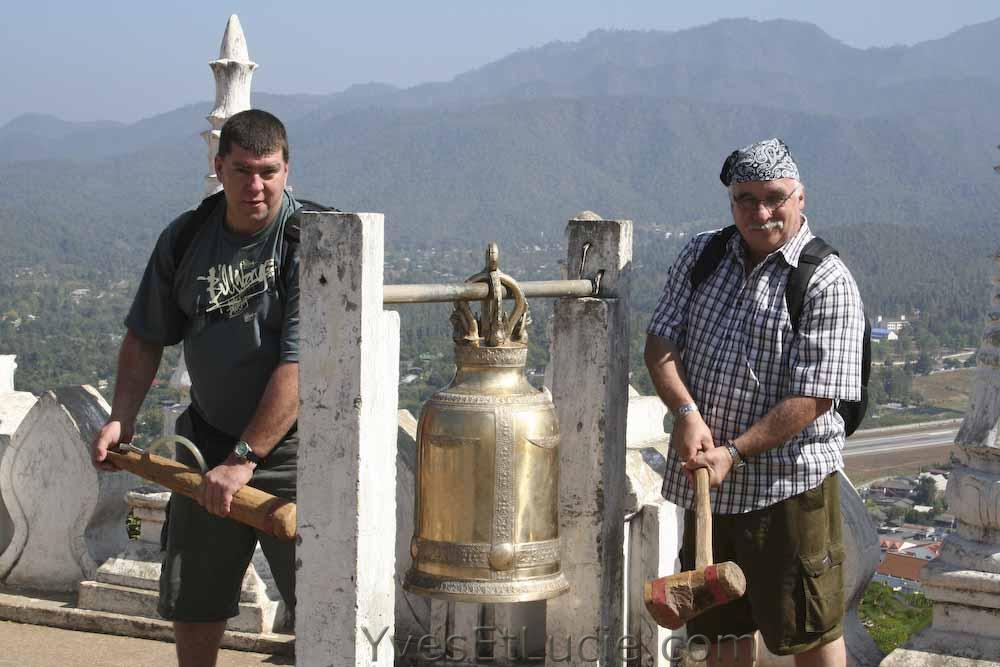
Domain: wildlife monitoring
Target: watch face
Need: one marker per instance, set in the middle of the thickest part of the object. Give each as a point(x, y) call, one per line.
point(242, 449)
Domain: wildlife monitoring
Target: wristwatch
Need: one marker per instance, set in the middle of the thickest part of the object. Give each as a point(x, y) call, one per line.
point(738, 461)
point(243, 451)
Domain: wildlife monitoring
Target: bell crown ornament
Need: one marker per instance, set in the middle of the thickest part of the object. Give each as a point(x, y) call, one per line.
point(486, 524)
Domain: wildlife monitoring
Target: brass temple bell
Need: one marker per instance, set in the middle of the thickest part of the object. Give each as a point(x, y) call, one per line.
point(486, 525)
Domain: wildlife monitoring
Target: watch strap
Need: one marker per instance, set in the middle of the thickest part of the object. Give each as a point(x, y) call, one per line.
point(737, 456)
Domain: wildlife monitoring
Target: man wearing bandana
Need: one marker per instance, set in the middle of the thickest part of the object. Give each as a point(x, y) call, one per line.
point(753, 400)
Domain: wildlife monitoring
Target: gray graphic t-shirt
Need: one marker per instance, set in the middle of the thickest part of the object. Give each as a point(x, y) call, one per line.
point(229, 303)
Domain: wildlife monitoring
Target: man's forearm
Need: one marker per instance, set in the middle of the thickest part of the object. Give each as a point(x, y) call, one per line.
point(276, 412)
point(138, 361)
point(782, 422)
point(666, 371)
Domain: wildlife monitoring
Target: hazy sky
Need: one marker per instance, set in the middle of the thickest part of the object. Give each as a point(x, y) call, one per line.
point(125, 60)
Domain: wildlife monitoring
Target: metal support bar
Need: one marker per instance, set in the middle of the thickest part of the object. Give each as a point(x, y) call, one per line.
point(431, 293)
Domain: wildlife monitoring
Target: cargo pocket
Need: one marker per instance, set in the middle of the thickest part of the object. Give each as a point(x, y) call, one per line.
point(823, 585)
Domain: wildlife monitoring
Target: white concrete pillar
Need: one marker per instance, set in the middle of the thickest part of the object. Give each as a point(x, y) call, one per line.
point(589, 361)
point(349, 372)
point(653, 542)
point(653, 528)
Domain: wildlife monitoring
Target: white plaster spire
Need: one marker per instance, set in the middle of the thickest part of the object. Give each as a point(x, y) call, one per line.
point(233, 72)
point(234, 42)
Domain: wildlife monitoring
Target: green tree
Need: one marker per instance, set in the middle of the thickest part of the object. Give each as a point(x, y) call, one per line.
point(926, 492)
point(925, 363)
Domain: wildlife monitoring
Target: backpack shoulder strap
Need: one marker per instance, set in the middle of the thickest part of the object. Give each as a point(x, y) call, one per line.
point(189, 228)
point(308, 205)
point(710, 256)
point(798, 280)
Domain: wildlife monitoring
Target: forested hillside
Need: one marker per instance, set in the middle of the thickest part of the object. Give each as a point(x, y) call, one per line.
point(896, 148)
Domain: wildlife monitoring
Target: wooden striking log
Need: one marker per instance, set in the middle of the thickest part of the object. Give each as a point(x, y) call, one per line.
point(253, 507)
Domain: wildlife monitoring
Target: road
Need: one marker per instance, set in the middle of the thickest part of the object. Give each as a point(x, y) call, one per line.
point(885, 442)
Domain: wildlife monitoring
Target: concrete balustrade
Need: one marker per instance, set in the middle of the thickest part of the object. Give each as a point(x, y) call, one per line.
point(67, 517)
point(14, 406)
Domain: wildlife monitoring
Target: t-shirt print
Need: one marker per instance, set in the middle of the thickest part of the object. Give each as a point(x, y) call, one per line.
point(230, 287)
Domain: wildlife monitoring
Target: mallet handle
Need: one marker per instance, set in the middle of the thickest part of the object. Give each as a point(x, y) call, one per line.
point(703, 519)
point(253, 507)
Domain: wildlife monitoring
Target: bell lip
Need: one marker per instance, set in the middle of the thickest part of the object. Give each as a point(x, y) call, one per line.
point(558, 579)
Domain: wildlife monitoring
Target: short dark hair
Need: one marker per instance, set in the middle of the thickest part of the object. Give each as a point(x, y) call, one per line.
point(256, 131)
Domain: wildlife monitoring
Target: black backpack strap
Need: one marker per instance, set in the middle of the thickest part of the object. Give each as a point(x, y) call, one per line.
point(866, 356)
point(798, 279)
point(308, 205)
point(710, 256)
point(189, 228)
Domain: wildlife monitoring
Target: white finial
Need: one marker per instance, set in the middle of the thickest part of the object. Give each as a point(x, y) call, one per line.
point(233, 72)
point(234, 43)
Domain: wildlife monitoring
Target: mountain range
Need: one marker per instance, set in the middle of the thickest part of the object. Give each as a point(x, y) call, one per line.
point(631, 124)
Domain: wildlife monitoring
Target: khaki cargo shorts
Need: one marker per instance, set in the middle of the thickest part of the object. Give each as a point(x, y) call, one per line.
point(792, 555)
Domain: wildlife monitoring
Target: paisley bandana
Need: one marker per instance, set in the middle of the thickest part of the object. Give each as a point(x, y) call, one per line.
point(766, 160)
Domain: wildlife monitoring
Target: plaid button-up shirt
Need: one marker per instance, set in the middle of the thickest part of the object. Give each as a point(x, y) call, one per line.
point(741, 358)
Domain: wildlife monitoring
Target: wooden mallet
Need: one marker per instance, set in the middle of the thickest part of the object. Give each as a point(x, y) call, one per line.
point(674, 600)
point(253, 507)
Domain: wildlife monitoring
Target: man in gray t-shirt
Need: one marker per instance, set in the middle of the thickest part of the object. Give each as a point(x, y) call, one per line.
point(226, 284)
point(234, 301)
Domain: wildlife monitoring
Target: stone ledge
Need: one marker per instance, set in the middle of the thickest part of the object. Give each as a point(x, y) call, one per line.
point(133, 602)
point(941, 574)
point(58, 611)
point(945, 649)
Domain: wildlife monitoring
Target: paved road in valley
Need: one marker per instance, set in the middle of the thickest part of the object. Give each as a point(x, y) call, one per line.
point(890, 441)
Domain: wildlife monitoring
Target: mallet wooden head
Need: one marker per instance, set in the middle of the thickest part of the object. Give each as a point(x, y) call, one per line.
point(674, 600)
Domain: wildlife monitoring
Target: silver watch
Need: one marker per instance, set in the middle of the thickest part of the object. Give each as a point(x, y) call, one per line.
point(738, 461)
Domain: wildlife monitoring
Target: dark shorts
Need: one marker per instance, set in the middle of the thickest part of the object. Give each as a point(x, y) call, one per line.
point(207, 556)
point(792, 555)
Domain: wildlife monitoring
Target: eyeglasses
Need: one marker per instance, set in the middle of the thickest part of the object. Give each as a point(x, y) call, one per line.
point(751, 204)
